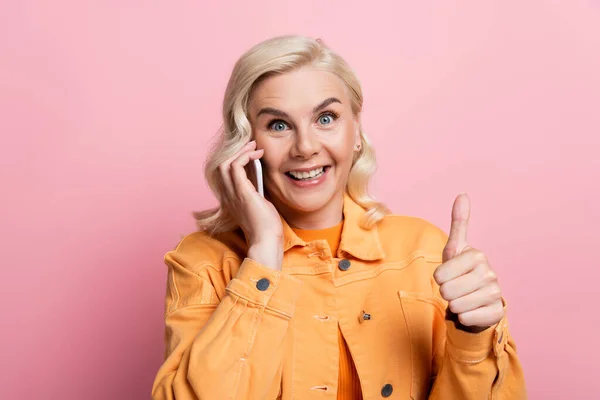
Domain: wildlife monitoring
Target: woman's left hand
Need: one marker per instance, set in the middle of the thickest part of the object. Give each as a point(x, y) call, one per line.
point(467, 282)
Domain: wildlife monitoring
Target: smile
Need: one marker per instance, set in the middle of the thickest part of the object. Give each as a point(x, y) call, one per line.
point(307, 175)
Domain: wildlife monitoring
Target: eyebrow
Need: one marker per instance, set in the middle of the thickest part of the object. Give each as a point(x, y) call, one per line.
point(282, 114)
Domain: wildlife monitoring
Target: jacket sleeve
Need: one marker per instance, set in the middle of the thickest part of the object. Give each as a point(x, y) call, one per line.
point(477, 366)
point(472, 366)
point(227, 348)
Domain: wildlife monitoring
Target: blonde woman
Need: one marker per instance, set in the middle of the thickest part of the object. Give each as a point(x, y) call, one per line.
point(315, 291)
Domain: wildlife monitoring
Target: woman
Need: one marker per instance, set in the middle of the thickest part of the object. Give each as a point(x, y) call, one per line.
point(315, 290)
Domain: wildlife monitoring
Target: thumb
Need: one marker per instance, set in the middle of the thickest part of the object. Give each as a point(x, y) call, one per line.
point(457, 239)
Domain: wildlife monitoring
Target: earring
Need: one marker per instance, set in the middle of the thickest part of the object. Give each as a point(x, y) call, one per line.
point(357, 147)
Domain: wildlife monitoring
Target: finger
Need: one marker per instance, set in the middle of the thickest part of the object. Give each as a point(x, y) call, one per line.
point(225, 168)
point(483, 316)
point(462, 286)
point(226, 178)
point(482, 297)
point(457, 239)
point(247, 147)
point(239, 177)
point(458, 266)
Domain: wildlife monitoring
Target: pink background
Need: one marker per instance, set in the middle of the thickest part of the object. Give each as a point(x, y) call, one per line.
point(106, 109)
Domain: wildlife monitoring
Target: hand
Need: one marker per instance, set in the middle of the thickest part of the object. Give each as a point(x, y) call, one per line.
point(256, 216)
point(465, 277)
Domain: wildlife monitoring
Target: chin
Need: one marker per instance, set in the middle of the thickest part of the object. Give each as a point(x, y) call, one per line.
point(303, 199)
point(309, 202)
point(307, 206)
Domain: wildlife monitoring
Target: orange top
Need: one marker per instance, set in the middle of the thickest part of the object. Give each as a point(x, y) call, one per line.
point(348, 381)
point(236, 329)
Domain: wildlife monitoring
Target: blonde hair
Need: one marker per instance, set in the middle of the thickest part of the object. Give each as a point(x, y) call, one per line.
point(271, 57)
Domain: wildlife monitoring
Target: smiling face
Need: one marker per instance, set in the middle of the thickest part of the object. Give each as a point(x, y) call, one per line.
point(303, 120)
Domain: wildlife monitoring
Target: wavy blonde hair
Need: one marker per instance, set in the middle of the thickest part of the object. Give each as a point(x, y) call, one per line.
point(271, 57)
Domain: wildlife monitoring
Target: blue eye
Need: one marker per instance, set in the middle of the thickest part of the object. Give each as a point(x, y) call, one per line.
point(278, 126)
point(326, 119)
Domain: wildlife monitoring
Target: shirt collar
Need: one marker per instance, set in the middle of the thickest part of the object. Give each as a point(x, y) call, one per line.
point(359, 242)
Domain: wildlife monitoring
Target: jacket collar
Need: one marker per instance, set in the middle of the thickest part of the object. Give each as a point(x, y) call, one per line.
point(361, 243)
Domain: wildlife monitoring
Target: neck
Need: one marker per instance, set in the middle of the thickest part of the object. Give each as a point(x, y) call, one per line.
point(330, 215)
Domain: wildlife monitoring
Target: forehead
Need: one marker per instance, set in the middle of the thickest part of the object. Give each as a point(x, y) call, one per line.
point(298, 90)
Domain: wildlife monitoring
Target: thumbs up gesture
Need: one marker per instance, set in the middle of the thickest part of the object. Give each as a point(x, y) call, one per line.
point(466, 280)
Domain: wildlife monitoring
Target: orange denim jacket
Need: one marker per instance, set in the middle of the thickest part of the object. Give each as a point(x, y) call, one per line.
point(238, 330)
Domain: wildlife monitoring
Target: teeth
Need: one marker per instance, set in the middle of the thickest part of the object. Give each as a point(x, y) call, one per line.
point(307, 175)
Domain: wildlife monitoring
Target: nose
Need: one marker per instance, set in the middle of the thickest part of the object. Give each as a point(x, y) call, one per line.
point(306, 144)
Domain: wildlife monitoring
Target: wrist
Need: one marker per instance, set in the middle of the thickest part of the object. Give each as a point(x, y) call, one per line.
point(267, 253)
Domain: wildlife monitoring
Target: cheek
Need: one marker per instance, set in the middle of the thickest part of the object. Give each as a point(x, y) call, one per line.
point(343, 148)
point(273, 154)
point(345, 159)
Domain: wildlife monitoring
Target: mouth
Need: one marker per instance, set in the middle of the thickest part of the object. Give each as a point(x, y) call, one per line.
point(315, 173)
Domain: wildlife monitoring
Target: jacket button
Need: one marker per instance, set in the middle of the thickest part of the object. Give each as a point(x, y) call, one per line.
point(386, 391)
point(344, 264)
point(263, 284)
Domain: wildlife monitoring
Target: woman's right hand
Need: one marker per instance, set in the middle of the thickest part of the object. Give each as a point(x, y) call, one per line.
point(256, 216)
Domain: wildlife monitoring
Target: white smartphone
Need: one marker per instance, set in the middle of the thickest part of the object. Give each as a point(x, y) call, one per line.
point(259, 177)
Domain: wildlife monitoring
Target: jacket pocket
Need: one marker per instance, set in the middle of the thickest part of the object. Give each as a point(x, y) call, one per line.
point(420, 311)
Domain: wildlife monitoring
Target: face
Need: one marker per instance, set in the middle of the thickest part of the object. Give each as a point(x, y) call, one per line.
point(304, 122)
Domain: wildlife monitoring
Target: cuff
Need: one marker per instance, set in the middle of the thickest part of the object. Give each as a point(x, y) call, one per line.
point(475, 347)
point(266, 287)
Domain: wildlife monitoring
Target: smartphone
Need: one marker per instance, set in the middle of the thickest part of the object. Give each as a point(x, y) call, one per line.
point(259, 177)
